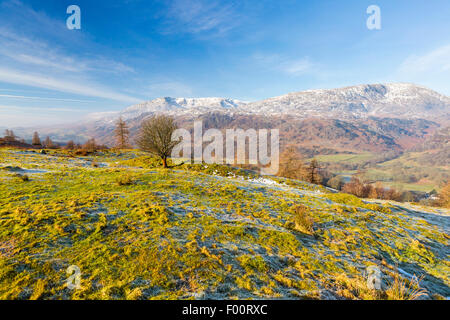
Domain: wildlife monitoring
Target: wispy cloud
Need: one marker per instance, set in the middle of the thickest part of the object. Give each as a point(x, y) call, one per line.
point(169, 89)
point(70, 64)
point(34, 59)
point(40, 54)
point(22, 108)
point(27, 19)
point(62, 85)
point(41, 98)
point(19, 116)
point(431, 68)
point(297, 66)
point(202, 16)
point(289, 66)
point(437, 60)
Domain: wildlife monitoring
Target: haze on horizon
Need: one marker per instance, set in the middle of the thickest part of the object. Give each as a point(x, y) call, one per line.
point(132, 51)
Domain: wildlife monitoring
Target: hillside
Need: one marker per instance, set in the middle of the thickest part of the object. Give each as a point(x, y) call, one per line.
point(372, 134)
point(435, 149)
point(136, 231)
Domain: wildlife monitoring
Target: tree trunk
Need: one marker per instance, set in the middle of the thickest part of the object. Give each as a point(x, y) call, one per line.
point(164, 162)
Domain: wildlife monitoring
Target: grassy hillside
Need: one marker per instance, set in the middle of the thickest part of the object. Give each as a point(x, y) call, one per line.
point(195, 232)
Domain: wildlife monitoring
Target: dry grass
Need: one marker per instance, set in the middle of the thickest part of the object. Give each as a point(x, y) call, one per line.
point(303, 220)
point(401, 289)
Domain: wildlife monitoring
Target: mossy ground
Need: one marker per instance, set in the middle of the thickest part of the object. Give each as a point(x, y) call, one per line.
point(137, 231)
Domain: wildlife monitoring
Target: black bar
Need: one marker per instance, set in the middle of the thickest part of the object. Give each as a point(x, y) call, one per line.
point(257, 309)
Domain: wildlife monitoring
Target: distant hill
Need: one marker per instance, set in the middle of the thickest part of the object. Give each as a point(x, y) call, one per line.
point(439, 140)
point(372, 134)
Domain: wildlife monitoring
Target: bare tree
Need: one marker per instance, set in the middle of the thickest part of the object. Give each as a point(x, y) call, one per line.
point(291, 165)
point(356, 187)
point(444, 196)
point(155, 136)
point(36, 141)
point(313, 175)
point(70, 145)
point(9, 135)
point(373, 194)
point(90, 145)
point(121, 133)
point(48, 143)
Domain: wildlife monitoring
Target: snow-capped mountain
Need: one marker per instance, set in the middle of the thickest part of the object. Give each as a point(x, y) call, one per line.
point(171, 106)
point(398, 100)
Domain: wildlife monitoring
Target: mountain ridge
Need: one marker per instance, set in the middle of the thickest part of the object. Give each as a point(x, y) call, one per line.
point(394, 100)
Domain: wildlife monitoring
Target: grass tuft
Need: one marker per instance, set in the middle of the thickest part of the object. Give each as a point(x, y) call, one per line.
point(401, 289)
point(303, 220)
point(124, 180)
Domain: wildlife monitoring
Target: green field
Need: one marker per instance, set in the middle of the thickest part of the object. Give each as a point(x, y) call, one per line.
point(406, 172)
point(348, 158)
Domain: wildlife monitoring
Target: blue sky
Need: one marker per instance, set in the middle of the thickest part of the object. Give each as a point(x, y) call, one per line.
point(134, 50)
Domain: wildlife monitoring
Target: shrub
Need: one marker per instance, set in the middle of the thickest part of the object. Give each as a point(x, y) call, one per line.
point(82, 153)
point(362, 190)
point(23, 177)
point(336, 183)
point(356, 187)
point(124, 180)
